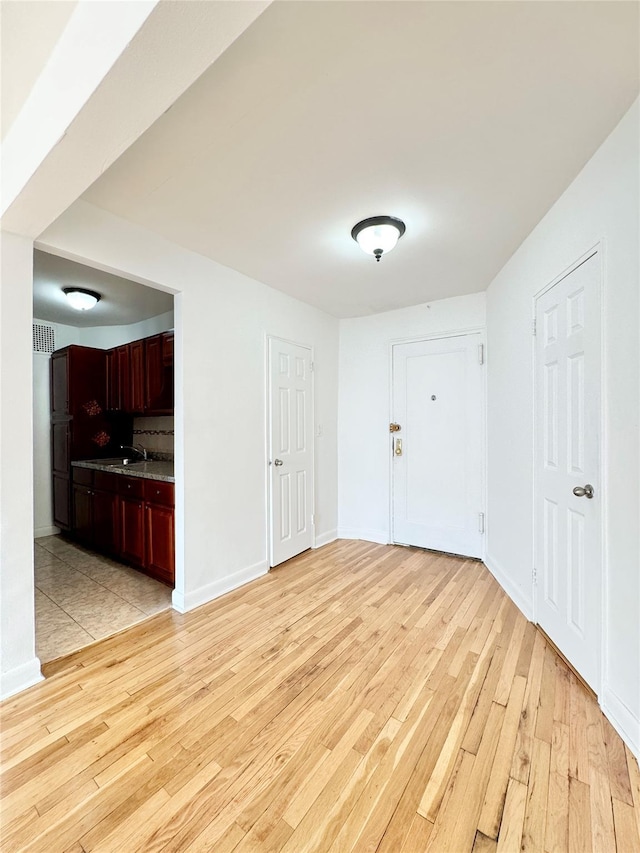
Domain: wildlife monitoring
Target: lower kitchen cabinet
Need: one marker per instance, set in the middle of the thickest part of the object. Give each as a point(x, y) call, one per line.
point(132, 545)
point(106, 530)
point(83, 514)
point(62, 516)
point(129, 518)
point(159, 527)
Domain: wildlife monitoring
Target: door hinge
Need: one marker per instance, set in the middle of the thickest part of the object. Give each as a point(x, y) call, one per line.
point(481, 522)
point(534, 575)
point(313, 518)
point(312, 366)
point(480, 353)
point(534, 329)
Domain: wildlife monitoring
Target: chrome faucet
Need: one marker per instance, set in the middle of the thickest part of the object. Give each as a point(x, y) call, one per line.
point(137, 448)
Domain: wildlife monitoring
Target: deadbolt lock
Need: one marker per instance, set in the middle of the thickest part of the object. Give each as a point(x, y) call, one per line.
point(394, 427)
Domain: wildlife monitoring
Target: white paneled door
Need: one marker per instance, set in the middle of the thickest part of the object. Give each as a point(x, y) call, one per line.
point(568, 584)
point(438, 444)
point(290, 450)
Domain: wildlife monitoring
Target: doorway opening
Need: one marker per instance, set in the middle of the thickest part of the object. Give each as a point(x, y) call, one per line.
point(103, 440)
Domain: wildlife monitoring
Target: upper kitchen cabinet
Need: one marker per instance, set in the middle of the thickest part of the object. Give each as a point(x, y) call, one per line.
point(125, 378)
point(158, 353)
point(140, 376)
point(78, 381)
point(137, 370)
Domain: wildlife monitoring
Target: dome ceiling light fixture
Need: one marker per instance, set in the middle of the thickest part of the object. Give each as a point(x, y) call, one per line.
point(378, 234)
point(80, 299)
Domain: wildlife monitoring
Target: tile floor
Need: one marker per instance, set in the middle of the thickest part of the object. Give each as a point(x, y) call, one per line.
point(82, 596)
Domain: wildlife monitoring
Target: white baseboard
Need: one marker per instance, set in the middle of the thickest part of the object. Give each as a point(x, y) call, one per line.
point(183, 603)
point(622, 718)
point(19, 678)
point(39, 532)
point(381, 537)
point(515, 594)
point(325, 538)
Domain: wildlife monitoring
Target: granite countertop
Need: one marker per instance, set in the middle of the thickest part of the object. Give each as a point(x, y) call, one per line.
point(152, 469)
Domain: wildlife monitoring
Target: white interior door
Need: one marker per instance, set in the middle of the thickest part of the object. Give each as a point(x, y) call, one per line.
point(290, 450)
point(568, 521)
point(437, 452)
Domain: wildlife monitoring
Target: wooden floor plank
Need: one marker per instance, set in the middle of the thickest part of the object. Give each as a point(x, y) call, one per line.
point(510, 835)
point(360, 697)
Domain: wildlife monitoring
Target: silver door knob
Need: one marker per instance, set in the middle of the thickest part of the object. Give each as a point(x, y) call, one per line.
point(278, 463)
point(583, 492)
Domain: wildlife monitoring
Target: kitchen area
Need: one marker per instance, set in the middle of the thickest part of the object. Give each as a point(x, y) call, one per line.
point(104, 515)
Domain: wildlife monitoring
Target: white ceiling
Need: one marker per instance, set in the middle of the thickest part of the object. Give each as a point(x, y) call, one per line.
point(123, 301)
point(39, 24)
point(466, 120)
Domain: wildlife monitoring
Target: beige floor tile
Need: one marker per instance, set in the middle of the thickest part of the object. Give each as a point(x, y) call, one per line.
point(42, 557)
point(63, 583)
point(82, 596)
point(134, 587)
point(66, 639)
point(106, 621)
point(56, 632)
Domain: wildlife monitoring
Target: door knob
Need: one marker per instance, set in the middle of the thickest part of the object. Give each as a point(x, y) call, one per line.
point(278, 463)
point(584, 492)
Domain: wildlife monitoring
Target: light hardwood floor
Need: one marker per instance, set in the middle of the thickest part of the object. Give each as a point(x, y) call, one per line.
point(358, 698)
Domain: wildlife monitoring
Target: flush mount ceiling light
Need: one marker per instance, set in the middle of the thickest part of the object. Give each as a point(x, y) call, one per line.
point(81, 300)
point(378, 234)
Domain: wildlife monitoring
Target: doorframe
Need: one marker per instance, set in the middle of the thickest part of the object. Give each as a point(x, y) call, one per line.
point(599, 249)
point(436, 336)
point(267, 433)
point(178, 593)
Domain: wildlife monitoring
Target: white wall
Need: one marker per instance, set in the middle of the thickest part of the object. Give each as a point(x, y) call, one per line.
point(19, 666)
point(601, 204)
point(103, 337)
point(364, 479)
point(221, 319)
point(107, 337)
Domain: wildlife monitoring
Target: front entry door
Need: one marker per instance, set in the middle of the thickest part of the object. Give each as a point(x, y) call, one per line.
point(290, 450)
point(437, 450)
point(567, 481)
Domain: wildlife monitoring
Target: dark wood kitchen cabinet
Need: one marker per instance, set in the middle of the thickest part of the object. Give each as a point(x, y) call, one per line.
point(126, 378)
point(136, 377)
point(95, 510)
point(140, 376)
point(160, 543)
point(131, 520)
point(83, 514)
point(160, 530)
point(120, 383)
point(79, 428)
point(106, 528)
point(113, 386)
point(159, 374)
point(131, 517)
point(62, 502)
point(147, 538)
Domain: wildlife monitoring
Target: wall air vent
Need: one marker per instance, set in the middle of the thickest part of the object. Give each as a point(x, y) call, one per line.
point(43, 338)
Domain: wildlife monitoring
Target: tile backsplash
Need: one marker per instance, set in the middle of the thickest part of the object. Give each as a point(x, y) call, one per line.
point(154, 434)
